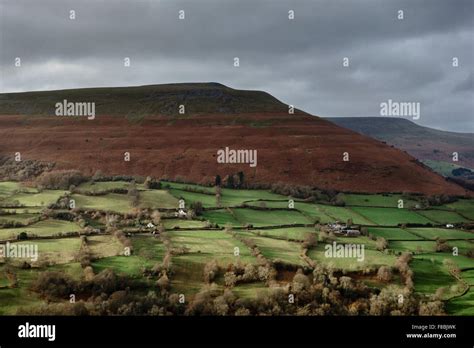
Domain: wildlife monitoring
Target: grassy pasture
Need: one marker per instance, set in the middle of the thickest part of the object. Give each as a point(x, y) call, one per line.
point(463, 245)
point(380, 200)
point(40, 199)
point(181, 186)
point(251, 290)
point(23, 218)
point(295, 233)
point(269, 217)
point(48, 227)
point(104, 246)
point(129, 265)
point(430, 276)
point(463, 206)
point(12, 299)
point(461, 261)
point(204, 246)
point(207, 201)
point(424, 246)
point(276, 249)
point(148, 247)
point(179, 223)
point(221, 217)
point(372, 258)
point(110, 202)
point(462, 305)
point(157, 199)
point(392, 233)
point(342, 214)
point(54, 251)
point(391, 216)
point(366, 241)
point(442, 216)
point(444, 233)
point(97, 186)
point(308, 209)
point(232, 198)
point(468, 276)
point(8, 187)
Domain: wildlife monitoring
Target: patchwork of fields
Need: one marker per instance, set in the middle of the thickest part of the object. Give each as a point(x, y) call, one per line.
point(240, 227)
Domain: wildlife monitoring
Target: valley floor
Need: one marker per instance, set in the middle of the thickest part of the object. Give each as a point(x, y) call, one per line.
point(191, 227)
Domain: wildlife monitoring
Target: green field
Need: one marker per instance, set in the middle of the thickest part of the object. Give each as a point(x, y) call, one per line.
point(423, 246)
point(12, 299)
point(444, 233)
point(208, 245)
point(233, 198)
point(468, 276)
point(194, 244)
point(461, 261)
point(48, 227)
point(430, 276)
point(221, 217)
point(112, 202)
point(207, 201)
point(392, 233)
point(178, 223)
point(98, 186)
point(269, 217)
point(391, 216)
point(53, 251)
point(201, 248)
point(310, 210)
point(130, 265)
point(442, 216)
point(42, 199)
point(294, 233)
point(278, 250)
point(7, 188)
point(381, 200)
point(463, 246)
point(372, 258)
point(21, 218)
point(104, 246)
point(462, 305)
point(182, 186)
point(157, 199)
point(343, 214)
point(464, 207)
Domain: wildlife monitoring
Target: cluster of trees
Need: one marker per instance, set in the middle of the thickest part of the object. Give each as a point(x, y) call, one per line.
point(234, 181)
point(322, 291)
point(60, 179)
point(23, 170)
point(152, 184)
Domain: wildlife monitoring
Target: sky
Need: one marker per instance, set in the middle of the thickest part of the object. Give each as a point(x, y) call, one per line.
point(299, 61)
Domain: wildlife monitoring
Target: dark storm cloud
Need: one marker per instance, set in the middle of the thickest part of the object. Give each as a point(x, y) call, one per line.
point(299, 61)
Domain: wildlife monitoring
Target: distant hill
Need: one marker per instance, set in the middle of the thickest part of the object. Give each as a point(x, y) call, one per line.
point(431, 146)
point(210, 98)
point(296, 149)
point(421, 142)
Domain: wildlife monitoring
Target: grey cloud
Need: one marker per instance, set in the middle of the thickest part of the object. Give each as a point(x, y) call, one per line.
point(299, 62)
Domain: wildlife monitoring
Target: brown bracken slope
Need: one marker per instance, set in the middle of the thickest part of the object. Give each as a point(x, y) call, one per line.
point(299, 149)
